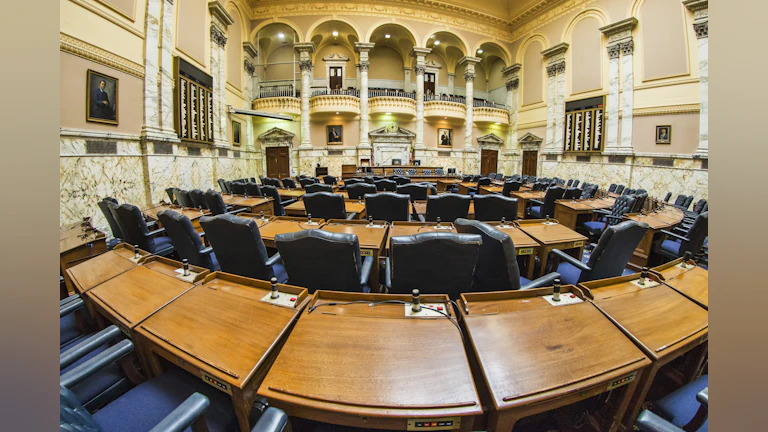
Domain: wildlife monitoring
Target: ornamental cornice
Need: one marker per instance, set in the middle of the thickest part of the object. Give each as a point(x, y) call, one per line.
point(250, 49)
point(81, 49)
point(667, 110)
point(217, 36)
point(217, 11)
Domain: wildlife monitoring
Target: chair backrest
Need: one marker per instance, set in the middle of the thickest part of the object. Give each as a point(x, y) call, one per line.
point(612, 188)
point(539, 186)
point(113, 226)
point(261, 179)
point(352, 181)
point(238, 245)
point(277, 204)
point(499, 176)
point(688, 202)
point(448, 207)
point(553, 194)
point(358, 191)
point(640, 197)
point(329, 179)
point(229, 187)
point(252, 189)
point(183, 198)
point(273, 182)
point(318, 187)
point(196, 195)
point(572, 193)
point(402, 181)
point(434, 262)
point(576, 183)
point(410, 172)
point(628, 191)
point(369, 180)
point(511, 186)
point(466, 178)
point(667, 197)
point(699, 206)
point(492, 175)
point(680, 200)
point(72, 415)
point(493, 207)
point(185, 239)
point(417, 192)
point(171, 198)
point(589, 191)
point(483, 181)
point(431, 187)
point(325, 205)
point(215, 202)
point(386, 185)
point(614, 250)
point(621, 206)
point(570, 182)
point(475, 178)
point(387, 206)
point(134, 227)
point(223, 186)
point(398, 171)
point(317, 259)
point(289, 183)
point(696, 234)
point(496, 268)
point(306, 182)
point(525, 179)
point(619, 189)
point(238, 188)
point(439, 171)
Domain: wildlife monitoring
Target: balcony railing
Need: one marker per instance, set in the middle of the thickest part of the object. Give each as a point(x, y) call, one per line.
point(445, 98)
point(391, 93)
point(485, 103)
point(278, 91)
point(339, 92)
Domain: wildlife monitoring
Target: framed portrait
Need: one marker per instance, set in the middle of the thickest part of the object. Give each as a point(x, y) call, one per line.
point(445, 137)
point(101, 98)
point(235, 132)
point(335, 134)
point(397, 162)
point(663, 134)
point(417, 162)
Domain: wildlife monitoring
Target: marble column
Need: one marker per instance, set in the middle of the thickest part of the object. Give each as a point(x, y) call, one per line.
point(612, 103)
point(512, 73)
point(556, 97)
point(620, 77)
point(559, 106)
point(700, 8)
point(305, 64)
point(151, 128)
point(627, 97)
point(218, 42)
point(549, 139)
point(250, 69)
point(469, 78)
point(166, 72)
point(420, 55)
point(364, 49)
point(452, 83)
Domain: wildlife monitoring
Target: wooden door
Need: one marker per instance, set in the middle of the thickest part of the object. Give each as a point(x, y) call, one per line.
point(429, 83)
point(489, 162)
point(335, 79)
point(278, 162)
point(530, 158)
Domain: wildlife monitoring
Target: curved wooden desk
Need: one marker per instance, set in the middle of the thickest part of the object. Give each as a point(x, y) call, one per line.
point(658, 220)
point(689, 280)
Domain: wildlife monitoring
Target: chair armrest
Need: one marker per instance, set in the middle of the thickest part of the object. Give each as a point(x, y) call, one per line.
point(273, 420)
point(71, 307)
point(365, 271)
point(650, 422)
point(421, 217)
point(541, 203)
point(274, 259)
point(237, 211)
point(601, 211)
point(155, 232)
point(546, 280)
point(95, 364)
point(683, 231)
point(610, 216)
point(66, 300)
point(703, 397)
point(89, 344)
point(571, 260)
point(351, 216)
point(151, 224)
point(289, 202)
point(677, 236)
point(388, 274)
point(206, 251)
point(184, 415)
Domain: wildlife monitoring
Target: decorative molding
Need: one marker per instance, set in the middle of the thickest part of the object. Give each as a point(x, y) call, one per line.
point(667, 110)
point(334, 103)
point(696, 5)
point(380, 104)
point(363, 66)
point(81, 49)
point(512, 70)
point(491, 139)
point(555, 51)
point(627, 47)
point(469, 76)
point(513, 84)
point(305, 65)
point(419, 69)
point(250, 49)
point(336, 57)
point(552, 70)
point(490, 115)
point(277, 136)
point(100, 12)
point(432, 64)
point(89, 133)
point(249, 67)
point(217, 11)
point(282, 104)
point(619, 30)
point(614, 50)
point(702, 29)
point(218, 36)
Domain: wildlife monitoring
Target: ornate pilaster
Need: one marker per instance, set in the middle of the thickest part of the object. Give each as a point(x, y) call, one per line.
point(420, 55)
point(512, 74)
point(620, 48)
point(220, 20)
point(305, 65)
point(469, 78)
point(700, 8)
point(250, 53)
point(158, 76)
point(364, 49)
point(452, 83)
point(555, 97)
point(407, 85)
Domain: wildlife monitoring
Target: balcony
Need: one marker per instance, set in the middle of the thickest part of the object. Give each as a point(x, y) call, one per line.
point(489, 112)
point(444, 106)
point(391, 101)
point(334, 101)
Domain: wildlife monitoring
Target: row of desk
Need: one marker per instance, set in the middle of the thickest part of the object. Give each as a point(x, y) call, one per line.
point(347, 358)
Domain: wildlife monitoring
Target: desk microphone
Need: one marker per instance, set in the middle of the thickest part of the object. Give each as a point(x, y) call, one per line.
point(185, 263)
point(370, 221)
point(503, 222)
point(556, 291)
point(687, 257)
point(309, 218)
point(416, 301)
point(439, 223)
point(643, 276)
point(274, 294)
point(547, 221)
point(136, 252)
point(201, 210)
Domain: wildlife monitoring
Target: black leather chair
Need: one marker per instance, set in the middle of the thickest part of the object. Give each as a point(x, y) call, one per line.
point(576, 183)
point(136, 232)
point(306, 182)
point(326, 205)
point(497, 268)
point(675, 244)
point(239, 248)
point(685, 409)
point(606, 218)
point(322, 260)
point(510, 186)
point(182, 197)
point(432, 262)
point(261, 179)
point(570, 182)
point(252, 189)
point(358, 191)
point(417, 192)
point(329, 180)
point(447, 207)
point(277, 203)
point(628, 191)
point(197, 198)
point(667, 197)
point(482, 181)
point(547, 207)
point(476, 178)
point(612, 188)
point(589, 191)
point(572, 193)
point(273, 182)
point(388, 206)
point(539, 186)
point(369, 180)
point(619, 189)
point(609, 258)
point(493, 207)
point(640, 197)
point(187, 241)
point(318, 187)
point(402, 180)
point(216, 205)
point(171, 198)
point(238, 188)
point(289, 183)
point(680, 200)
point(499, 176)
point(386, 185)
point(223, 186)
point(688, 202)
point(431, 187)
point(117, 233)
point(352, 181)
point(492, 175)
point(466, 179)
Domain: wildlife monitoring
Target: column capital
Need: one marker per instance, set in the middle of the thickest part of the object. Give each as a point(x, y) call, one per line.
point(304, 48)
point(417, 52)
point(702, 29)
point(614, 50)
point(627, 47)
point(218, 36)
point(513, 84)
point(470, 60)
point(698, 7)
point(249, 67)
point(512, 70)
point(364, 47)
point(620, 30)
point(250, 49)
point(218, 12)
point(363, 65)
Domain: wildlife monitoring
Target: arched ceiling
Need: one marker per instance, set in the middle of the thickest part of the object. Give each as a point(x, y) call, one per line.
point(273, 37)
point(449, 47)
point(491, 52)
point(396, 37)
point(334, 32)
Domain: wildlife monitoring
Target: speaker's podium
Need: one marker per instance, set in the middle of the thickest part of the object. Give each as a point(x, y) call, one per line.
point(321, 171)
point(363, 360)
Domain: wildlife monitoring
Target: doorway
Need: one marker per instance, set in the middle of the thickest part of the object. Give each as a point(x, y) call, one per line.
point(489, 160)
point(335, 79)
point(530, 159)
point(429, 83)
point(278, 162)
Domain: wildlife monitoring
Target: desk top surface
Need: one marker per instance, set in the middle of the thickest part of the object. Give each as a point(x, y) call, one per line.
point(351, 206)
point(241, 201)
point(283, 225)
point(104, 267)
point(519, 238)
point(191, 213)
point(223, 326)
point(548, 351)
point(528, 194)
point(549, 234)
point(75, 241)
point(651, 221)
point(71, 231)
point(579, 205)
point(369, 237)
point(492, 189)
point(385, 375)
point(693, 282)
point(292, 193)
point(410, 228)
point(659, 317)
point(670, 215)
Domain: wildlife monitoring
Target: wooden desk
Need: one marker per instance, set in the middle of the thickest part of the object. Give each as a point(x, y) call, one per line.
point(351, 206)
point(661, 321)
point(372, 241)
point(522, 200)
point(464, 187)
point(289, 194)
point(280, 225)
point(442, 185)
point(101, 268)
point(257, 205)
point(568, 212)
point(525, 245)
point(485, 190)
point(421, 208)
point(658, 221)
point(551, 356)
point(556, 236)
point(409, 228)
point(74, 247)
point(193, 214)
point(369, 368)
point(692, 282)
point(223, 333)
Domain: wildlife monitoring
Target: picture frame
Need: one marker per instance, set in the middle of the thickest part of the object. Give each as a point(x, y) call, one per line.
point(663, 134)
point(417, 162)
point(397, 162)
point(444, 137)
point(101, 98)
point(236, 133)
point(335, 134)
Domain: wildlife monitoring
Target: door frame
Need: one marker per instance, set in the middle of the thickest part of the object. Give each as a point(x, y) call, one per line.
point(266, 161)
point(489, 150)
point(434, 75)
point(535, 165)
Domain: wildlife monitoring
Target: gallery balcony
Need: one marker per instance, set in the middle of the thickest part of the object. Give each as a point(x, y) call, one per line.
point(324, 101)
point(489, 112)
point(278, 99)
point(391, 101)
point(444, 106)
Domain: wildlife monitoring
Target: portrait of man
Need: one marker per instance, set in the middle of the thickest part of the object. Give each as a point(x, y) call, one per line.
point(101, 99)
point(235, 132)
point(334, 134)
point(445, 137)
point(663, 134)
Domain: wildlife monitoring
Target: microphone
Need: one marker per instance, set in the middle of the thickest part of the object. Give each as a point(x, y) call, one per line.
point(274, 293)
point(643, 276)
point(136, 252)
point(416, 300)
point(262, 214)
point(556, 291)
point(309, 218)
point(185, 263)
point(503, 222)
point(439, 224)
point(547, 221)
point(686, 257)
point(370, 221)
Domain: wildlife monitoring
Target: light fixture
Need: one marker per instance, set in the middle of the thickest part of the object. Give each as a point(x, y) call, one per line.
point(437, 42)
point(498, 123)
point(387, 36)
point(446, 118)
point(335, 33)
point(337, 112)
point(479, 51)
point(389, 113)
point(280, 35)
point(432, 37)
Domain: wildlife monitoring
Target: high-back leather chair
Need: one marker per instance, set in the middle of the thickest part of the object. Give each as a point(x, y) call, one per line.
point(117, 233)
point(239, 248)
point(388, 206)
point(329, 180)
point(306, 182)
point(680, 200)
point(612, 188)
point(238, 188)
point(493, 207)
point(182, 197)
point(538, 186)
point(325, 205)
point(640, 196)
point(352, 181)
point(484, 181)
point(547, 206)
point(466, 178)
point(685, 409)
point(606, 218)
point(223, 186)
point(589, 191)
point(492, 175)
point(171, 198)
point(576, 183)
point(252, 189)
point(572, 193)
point(317, 259)
point(216, 205)
point(676, 244)
point(619, 189)
point(511, 186)
point(369, 180)
point(497, 268)
point(318, 187)
point(386, 185)
point(289, 183)
point(273, 182)
point(667, 197)
point(198, 201)
point(476, 178)
point(432, 262)
point(628, 191)
point(136, 232)
point(609, 258)
point(448, 207)
point(417, 192)
point(278, 204)
point(358, 191)
point(687, 202)
point(570, 182)
point(402, 180)
point(261, 179)
point(186, 240)
point(499, 176)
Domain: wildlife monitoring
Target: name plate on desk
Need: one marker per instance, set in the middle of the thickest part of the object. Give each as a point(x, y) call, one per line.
point(525, 251)
point(366, 252)
point(435, 424)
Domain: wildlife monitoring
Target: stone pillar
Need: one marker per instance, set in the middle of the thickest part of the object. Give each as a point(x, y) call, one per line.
point(419, 54)
point(612, 104)
point(627, 97)
point(364, 49)
point(700, 8)
point(620, 47)
point(166, 71)
point(220, 20)
point(158, 77)
point(305, 64)
point(512, 73)
point(469, 78)
point(555, 97)
point(452, 83)
point(407, 85)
